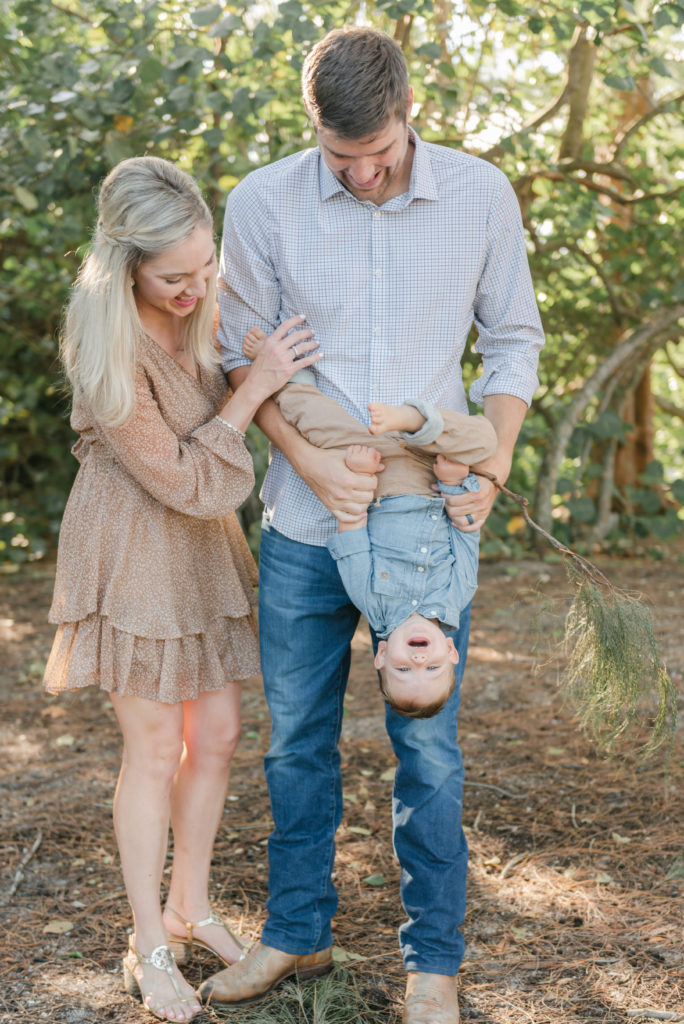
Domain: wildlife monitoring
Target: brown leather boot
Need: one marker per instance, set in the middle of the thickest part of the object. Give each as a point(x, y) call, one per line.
point(431, 999)
point(261, 970)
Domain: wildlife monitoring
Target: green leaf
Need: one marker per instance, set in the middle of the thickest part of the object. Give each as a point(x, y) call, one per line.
point(225, 26)
point(582, 510)
point(624, 83)
point(653, 474)
point(660, 67)
point(662, 18)
point(206, 15)
point(375, 880)
point(26, 198)
point(433, 51)
point(677, 487)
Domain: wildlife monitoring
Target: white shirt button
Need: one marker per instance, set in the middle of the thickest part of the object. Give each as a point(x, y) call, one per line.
point(421, 568)
point(377, 214)
point(433, 517)
point(414, 603)
point(423, 550)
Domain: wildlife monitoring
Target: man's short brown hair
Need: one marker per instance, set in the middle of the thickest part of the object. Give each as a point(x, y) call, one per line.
point(354, 82)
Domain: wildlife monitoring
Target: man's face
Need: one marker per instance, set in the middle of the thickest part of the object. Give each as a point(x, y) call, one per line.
point(374, 168)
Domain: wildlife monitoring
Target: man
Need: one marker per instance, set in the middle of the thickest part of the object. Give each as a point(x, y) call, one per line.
point(391, 247)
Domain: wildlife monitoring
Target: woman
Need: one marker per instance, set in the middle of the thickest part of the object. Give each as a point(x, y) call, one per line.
point(155, 581)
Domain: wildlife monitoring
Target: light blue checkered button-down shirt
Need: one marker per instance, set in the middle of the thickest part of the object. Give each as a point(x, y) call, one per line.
point(391, 292)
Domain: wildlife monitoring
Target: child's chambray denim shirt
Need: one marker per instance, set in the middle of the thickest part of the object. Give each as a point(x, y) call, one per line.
point(409, 558)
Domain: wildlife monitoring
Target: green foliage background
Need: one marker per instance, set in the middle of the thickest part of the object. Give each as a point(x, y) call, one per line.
point(594, 153)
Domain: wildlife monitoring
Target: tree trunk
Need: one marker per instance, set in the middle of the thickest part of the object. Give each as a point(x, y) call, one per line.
point(635, 454)
point(637, 345)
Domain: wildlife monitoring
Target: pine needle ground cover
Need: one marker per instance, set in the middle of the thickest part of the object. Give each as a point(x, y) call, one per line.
point(576, 869)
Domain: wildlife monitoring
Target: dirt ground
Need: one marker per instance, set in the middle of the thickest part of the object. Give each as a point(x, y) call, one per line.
point(577, 862)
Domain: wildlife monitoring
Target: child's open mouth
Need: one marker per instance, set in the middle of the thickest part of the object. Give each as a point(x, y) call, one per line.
point(418, 641)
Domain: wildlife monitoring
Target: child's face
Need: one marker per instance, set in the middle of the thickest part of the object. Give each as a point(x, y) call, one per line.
point(417, 659)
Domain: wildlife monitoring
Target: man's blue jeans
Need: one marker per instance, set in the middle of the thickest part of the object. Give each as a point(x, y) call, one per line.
point(306, 623)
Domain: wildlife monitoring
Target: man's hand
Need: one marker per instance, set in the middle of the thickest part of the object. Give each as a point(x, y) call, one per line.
point(468, 512)
point(476, 504)
point(344, 493)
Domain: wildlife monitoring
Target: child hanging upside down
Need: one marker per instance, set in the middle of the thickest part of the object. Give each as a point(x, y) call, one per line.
point(403, 564)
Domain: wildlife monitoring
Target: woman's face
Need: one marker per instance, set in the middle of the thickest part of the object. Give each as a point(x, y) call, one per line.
point(176, 281)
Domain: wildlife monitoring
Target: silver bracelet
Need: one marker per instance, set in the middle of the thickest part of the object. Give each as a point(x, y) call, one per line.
point(231, 426)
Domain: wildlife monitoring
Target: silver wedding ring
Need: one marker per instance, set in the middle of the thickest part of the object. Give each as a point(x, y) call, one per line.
point(294, 351)
point(469, 518)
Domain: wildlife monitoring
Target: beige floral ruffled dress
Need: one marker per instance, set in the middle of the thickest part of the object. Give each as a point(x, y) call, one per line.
point(155, 582)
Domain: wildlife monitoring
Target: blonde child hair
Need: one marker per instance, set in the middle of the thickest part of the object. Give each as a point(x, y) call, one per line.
point(146, 206)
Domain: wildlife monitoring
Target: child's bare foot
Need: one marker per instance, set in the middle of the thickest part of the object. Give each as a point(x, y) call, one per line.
point(361, 459)
point(450, 472)
point(252, 342)
point(394, 417)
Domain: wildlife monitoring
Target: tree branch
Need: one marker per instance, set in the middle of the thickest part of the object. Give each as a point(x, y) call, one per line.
point(669, 407)
point(654, 112)
point(72, 14)
point(632, 347)
point(580, 74)
point(679, 370)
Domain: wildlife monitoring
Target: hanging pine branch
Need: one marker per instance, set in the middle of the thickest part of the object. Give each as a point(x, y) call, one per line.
point(613, 669)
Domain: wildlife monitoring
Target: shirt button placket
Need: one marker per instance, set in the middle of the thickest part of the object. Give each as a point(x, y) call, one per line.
point(377, 318)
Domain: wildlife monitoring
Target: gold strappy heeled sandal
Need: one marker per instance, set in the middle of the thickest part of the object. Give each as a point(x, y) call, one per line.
point(162, 959)
point(182, 948)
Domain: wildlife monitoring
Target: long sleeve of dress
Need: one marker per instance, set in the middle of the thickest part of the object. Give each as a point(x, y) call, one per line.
point(207, 474)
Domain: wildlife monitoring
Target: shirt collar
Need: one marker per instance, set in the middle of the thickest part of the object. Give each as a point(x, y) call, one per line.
point(421, 186)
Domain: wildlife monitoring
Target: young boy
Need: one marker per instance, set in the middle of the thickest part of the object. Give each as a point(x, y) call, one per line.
point(402, 564)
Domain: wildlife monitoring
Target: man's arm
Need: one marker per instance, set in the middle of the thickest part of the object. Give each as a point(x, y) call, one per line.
point(506, 414)
point(344, 493)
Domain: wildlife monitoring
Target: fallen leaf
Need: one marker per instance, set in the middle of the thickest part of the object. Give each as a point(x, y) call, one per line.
point(53, 711)
point(617, 838)
point(603, 878)
point(375, 880)
point(676, 868)
point(388, 776)
point(343, 956)
point(359, 830)
point(57, 927)
point(65, 741)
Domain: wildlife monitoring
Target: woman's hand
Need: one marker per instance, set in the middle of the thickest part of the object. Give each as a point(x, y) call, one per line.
point(280, 356)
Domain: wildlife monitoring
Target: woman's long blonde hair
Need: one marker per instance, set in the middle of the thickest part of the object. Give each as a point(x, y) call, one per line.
point(146, 206)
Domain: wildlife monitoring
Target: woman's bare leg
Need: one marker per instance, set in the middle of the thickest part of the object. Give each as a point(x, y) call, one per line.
point(153, 742)
point(211, 733)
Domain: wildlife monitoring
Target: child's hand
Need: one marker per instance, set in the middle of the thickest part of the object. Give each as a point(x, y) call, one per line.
point(253, 342)
point(449, 472)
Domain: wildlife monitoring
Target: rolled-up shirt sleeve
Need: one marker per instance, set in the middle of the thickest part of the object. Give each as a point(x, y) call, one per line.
point(510, 333)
